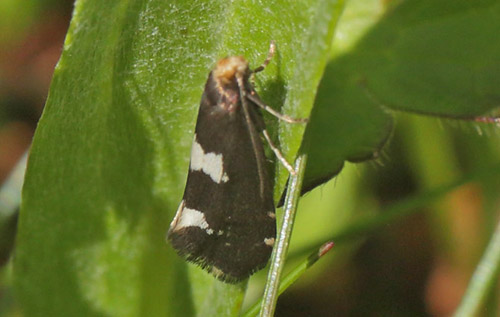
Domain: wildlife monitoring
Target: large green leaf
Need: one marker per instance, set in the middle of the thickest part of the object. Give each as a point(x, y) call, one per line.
point(432, 57)
point(110, 156)
point(111, 152)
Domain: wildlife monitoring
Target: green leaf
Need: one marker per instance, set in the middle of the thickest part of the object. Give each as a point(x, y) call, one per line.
point(111, 152)
point(438, 58)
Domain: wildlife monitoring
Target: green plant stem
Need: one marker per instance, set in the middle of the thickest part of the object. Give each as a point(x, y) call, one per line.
point(281, 247)
point(294, 275)
point(482, 280)
point(390, 215)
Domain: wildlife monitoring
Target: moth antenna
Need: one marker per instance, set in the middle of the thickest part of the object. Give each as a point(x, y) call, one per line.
point(250, 127)
point(272, 50)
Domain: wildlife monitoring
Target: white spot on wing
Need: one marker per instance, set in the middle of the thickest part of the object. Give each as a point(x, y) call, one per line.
point(187, 217)
point(269, 241)
point(209, 163)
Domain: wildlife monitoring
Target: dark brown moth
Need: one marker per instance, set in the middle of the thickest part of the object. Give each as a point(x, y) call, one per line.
point(226, 222)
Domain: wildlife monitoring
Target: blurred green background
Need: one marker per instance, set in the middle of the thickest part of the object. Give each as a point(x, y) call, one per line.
point(31, 37)
point(416, 266)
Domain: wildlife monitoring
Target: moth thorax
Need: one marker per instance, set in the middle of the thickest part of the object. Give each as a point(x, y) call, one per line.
point(230, 68)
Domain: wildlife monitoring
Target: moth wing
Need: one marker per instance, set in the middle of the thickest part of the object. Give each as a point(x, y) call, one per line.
point(226, 221)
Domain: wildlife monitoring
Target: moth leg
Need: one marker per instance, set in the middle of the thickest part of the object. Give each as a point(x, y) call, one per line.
point(253, 98)
point(272, 50)
point(278, 153)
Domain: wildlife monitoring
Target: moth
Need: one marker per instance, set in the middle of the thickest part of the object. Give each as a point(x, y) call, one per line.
point(226, 221)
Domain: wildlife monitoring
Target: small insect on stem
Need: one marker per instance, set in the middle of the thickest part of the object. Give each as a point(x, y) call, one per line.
point(226, 221)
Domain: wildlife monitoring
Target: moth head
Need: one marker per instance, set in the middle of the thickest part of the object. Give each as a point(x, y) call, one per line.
point(230, 68)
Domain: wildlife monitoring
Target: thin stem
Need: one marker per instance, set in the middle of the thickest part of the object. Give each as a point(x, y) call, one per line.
point(483, 279)
point(294, 275)
point(281, 248)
